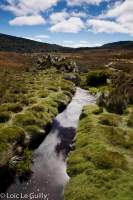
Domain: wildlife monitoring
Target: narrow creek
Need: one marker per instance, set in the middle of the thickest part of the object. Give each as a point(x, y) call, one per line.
point(49, 166)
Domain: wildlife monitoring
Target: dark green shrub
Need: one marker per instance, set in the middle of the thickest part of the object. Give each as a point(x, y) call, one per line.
point(96, 78)
point(116, 103)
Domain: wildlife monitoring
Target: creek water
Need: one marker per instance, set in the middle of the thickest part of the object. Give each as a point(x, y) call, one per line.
point(49, 175)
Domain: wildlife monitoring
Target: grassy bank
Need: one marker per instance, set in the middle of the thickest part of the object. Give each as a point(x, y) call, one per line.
point(101, 166)
point(29, 100)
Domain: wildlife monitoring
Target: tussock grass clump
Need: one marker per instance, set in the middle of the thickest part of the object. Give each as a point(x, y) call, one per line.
point(130, 120)
point(24, 101)
point(25, 119)
point(12, 134)
point(93, 90)
point(37, 108)
point(4, 117)
point(109, 159)
point(43, 93)
point(110, 119)
point(34, 130)
point(119, 136)
point(13, 107)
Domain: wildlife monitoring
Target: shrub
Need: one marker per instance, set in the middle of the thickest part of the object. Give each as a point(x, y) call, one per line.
point(96, 78)
point(116, 103)
point(122, 95)
point(4, 117)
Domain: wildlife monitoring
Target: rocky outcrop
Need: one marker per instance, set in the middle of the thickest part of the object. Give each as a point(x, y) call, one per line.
point(62, 64)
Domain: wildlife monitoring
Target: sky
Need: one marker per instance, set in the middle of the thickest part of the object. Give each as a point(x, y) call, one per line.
point(73, 23)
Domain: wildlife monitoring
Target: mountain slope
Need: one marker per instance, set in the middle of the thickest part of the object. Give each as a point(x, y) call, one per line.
point(21, 45)
point(120, 44)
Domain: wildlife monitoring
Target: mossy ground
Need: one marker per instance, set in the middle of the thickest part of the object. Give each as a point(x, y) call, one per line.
point(101, 166)
point(29, 101)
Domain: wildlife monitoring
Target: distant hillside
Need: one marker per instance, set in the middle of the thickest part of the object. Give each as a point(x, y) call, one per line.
point(21, 45)
point(119, 45)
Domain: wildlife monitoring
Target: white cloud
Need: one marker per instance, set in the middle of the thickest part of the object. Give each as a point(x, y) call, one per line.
point(98, 25)
point(58, 17)
point(78, 2)
point(122, 15)
point(27, 20)
point(27, 12)
point(28, 7)
point(71, 25)
point(42, 36)
point(82, 43)
point(124, 7)
point(69, 22)
point(116, 19)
